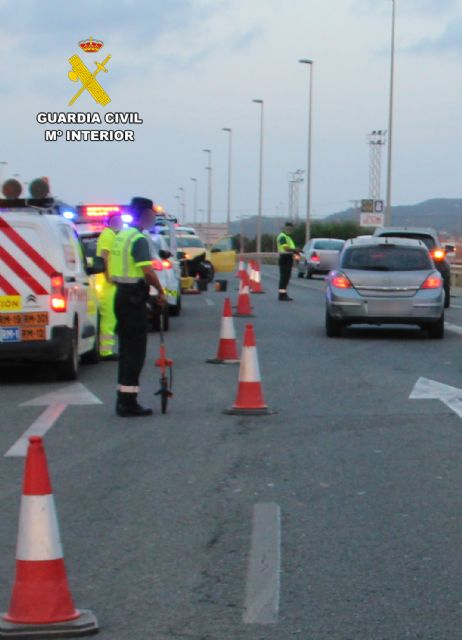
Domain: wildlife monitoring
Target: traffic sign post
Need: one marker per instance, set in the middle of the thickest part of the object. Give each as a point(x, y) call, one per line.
point(372, 213)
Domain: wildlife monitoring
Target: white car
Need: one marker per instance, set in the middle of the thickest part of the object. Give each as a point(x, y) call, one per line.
point(168, 271)
point(48, 302)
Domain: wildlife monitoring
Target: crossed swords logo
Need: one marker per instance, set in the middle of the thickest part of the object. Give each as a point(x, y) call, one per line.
point(89, 82)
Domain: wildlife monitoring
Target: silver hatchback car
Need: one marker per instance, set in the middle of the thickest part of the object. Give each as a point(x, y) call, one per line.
point(385, 281)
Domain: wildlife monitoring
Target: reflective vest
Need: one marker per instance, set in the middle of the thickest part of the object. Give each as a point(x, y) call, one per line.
point(122, 266)
point(285, 243)
point(105, 241)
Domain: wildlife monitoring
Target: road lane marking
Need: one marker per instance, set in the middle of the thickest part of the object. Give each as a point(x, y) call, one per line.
point(209, 302)
point(455, 328)
point(426, 389)
point(264, 568)
point(56, 403)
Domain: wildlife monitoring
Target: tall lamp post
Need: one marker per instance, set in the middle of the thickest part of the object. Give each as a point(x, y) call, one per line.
point(183, 203)
point(260, 183)
point(209, 191)
point(230, 152)
point(310, 64)
point(194, 180)
point(390, 119)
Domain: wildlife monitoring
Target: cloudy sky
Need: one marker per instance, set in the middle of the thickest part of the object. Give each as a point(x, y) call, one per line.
point(191, 67)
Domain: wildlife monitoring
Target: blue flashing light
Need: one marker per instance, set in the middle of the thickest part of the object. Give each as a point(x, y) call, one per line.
point(69, 215)
point(127, 218)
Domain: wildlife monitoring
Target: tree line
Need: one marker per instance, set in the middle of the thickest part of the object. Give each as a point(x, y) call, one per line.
point(341, 230)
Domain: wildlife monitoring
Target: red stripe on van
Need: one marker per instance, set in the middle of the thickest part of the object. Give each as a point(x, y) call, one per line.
point(22, 273)
point(26, 247)
point(7, 287)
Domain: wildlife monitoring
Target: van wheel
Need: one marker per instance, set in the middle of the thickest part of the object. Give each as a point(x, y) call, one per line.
point(309, 274)
point(447, 295)
point(333, 326)
point(300, 274)
point(93, 356)
point(69, 368)
point(436, 330)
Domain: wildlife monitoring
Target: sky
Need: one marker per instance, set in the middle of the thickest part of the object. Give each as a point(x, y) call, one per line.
point(192, 67)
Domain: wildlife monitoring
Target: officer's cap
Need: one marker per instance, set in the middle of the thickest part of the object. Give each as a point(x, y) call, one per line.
point(139, 204)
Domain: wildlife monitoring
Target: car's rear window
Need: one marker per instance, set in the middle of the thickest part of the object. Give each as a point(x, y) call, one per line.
point(190, 241)
point(428, 241)
point(386, 258)
point(328, 245)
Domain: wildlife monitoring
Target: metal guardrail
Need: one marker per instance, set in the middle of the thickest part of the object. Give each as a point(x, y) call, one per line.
point(456, 275)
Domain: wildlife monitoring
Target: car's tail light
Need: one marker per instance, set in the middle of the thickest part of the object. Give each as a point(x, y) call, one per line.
point(187, 256)
point(58, 300)
point(157, 265)
point(314, 257)
point(340, 281)
point(438, 254)
point(166, 264)
point(432, 282)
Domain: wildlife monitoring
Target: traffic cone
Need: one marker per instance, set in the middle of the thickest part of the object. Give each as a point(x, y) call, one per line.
point(257, 286)
point(241, 267)
point(243, 302)
point(249, 399)
point(251, 275)
point(41, 604)
point(227, 345)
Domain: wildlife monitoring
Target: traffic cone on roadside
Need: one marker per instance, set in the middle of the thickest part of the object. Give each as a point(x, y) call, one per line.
point(250, 400)
point(241, 267)
point(227, 345)
point(41, 604)
point(257, 286)
point(244, 309)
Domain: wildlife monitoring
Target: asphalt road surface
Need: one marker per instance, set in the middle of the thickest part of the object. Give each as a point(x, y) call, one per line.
point(338, 518)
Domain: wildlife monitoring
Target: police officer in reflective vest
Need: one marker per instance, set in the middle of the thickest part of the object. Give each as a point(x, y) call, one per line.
point(286, 249)
point(107, 289)
point(131, 271)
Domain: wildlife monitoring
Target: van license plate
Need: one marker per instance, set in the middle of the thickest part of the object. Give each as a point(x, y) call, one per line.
point(33, 333)
point(30, 318)
point(10, 334)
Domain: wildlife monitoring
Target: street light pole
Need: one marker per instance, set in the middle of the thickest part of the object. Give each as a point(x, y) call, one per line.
point(390, 119)
point(260, 186)
point(230, 151)
point(195, 200)
point(310, 63)
point(209, 191)
point(183, 203)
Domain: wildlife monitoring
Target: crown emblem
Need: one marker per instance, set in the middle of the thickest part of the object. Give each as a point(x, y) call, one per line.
point(90, 45)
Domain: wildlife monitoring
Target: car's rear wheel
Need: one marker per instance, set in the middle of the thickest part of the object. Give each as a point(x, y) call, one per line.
point(333, 326)
point(68, 369)
point(309, 274)
point(300, 274)
point(436, 330)
point(93, 356)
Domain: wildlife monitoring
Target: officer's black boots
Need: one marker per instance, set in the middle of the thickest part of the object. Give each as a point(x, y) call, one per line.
point(283, 297)
point(128, 407)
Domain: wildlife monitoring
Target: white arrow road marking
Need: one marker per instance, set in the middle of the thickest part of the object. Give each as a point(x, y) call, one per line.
point(426, 389)
point(55, 403)
point(263, 575)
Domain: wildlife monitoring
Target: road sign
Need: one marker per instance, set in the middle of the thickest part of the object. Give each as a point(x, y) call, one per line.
point(372, 220)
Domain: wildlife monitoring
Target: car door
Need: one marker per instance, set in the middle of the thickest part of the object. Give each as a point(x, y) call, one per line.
point(223, 255)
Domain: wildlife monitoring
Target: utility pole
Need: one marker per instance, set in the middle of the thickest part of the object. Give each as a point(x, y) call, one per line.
point(295, 180)
point(376, 141)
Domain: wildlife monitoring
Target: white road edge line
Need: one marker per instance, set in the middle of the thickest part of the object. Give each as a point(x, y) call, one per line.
point(38, 428)
point(455, 328)
point(209, 302)
point(264, 568)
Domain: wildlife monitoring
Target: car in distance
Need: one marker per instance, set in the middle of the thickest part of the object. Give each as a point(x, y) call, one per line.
point(430, 238)
point(320, 256)
point(385, 281)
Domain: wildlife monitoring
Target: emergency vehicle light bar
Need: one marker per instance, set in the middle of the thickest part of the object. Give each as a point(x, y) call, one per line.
point(100, 210)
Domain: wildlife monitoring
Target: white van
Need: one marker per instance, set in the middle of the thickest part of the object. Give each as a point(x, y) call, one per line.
point(48, 303)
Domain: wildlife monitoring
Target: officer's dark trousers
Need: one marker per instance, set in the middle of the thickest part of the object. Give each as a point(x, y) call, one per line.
point(286, 261)
point(132, 330)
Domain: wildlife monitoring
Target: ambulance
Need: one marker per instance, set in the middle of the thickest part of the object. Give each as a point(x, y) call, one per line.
point(48, 303)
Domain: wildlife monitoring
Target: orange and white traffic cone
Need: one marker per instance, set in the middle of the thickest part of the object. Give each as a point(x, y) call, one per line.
point(250, 400)
point(257, 286)
point(244, 309)
point(227, 345)
point(41, 604)
point(251, 273)
point(241, 267)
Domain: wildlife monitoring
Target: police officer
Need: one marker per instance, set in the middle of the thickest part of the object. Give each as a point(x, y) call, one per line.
point(108, 289)
point(286, 249)
point(132, 273)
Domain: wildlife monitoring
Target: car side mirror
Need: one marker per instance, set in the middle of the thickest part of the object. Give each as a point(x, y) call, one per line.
point(164, 254)
point(181, 255)
point(450, 248)
point(95, 265)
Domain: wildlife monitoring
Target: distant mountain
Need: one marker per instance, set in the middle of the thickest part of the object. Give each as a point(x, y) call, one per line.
point(443, 214)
